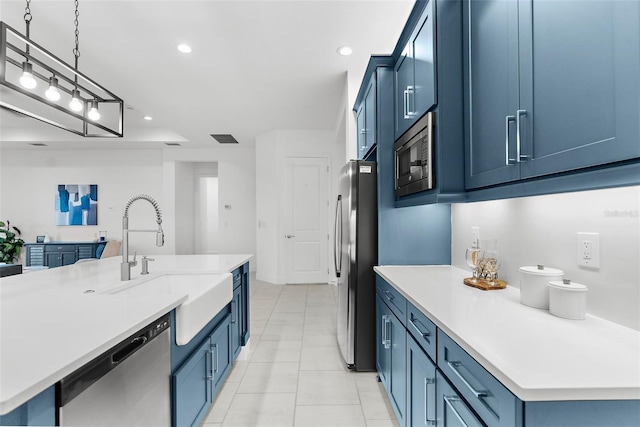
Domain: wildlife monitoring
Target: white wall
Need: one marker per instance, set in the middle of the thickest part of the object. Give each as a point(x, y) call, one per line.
point(236, 192)
point(272, 149)
point(542, 230)
point(29, 178)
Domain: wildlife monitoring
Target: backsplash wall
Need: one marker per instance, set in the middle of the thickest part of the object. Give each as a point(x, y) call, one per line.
point(542, 230)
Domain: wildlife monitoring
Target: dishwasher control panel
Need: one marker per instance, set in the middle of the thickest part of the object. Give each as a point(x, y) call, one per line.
point(159, 326)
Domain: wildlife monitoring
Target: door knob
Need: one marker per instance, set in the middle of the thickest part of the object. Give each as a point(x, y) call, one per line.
point(289, 236)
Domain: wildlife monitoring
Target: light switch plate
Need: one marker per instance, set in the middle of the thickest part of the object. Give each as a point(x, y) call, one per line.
point(588, 250)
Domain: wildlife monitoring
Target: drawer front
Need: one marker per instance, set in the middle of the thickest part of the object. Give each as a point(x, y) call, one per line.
point(451, 409)
point(35, 255)
point(85, 251)
point(422, 329)
point(59, 248)
point(394, 299)
point(496, 405)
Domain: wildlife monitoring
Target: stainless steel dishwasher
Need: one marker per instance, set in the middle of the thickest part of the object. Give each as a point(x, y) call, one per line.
point(128, 385)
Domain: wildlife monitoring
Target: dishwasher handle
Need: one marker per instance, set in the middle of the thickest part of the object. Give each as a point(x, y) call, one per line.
point(127, 351)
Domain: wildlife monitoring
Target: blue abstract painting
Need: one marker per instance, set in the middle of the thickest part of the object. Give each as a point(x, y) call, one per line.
point(76, 204)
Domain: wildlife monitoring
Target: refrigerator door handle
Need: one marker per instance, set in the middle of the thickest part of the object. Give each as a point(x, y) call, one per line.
point(337, 241)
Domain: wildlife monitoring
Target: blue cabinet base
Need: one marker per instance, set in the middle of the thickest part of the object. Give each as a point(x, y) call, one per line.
point(39, 411)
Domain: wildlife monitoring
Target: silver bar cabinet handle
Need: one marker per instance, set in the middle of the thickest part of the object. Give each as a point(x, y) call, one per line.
point(448, 400)
point(476, 393)
point(520, 157)
point(427, 421)
point(424, 334)
point(507, 160)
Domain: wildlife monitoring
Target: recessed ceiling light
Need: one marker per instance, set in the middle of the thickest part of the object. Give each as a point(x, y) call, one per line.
point(184, 48)
point(148, 118)
point(344, 50)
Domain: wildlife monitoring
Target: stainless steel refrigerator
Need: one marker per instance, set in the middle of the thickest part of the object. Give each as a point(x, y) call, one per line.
point(355, 255)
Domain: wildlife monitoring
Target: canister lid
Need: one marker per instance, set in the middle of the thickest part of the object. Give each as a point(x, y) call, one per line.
point(541, 270)
point(568, 285)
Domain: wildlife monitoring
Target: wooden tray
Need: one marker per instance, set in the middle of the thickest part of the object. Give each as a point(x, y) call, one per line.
point(484, 285)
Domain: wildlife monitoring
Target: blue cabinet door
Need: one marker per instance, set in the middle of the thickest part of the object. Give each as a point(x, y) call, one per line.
point(579, 85)
point(404, 91)
point(370, 116)
point(361, 130)
point(221, 354)
point(391, 357)
point(415, 72)
point(452, 410)
point(424, 61)
point(398, 361)
point(421, 386)
point(236, 322)
point(490, 40)
point(192, 387)
point(538, 100)
point(245, 304)
point(382, 354)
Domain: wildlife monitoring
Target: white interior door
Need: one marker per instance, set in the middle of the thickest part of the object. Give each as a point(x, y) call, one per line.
point(206, 215)
point(306, 220)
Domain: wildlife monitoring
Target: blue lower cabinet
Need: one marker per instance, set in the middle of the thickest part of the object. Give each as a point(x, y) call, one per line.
point(488, 397)
point(221, 355)
point(452, 410)
point(421, 386)
point(192, 388)
point(196, 382)
point(241, 280)
point(236, 322)
point(391, 357)
point(39, 411)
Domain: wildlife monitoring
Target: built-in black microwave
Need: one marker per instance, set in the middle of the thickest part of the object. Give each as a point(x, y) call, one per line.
point(414, 158)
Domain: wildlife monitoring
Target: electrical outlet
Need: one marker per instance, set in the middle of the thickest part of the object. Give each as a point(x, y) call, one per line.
point(475, 237)
point(588, 250)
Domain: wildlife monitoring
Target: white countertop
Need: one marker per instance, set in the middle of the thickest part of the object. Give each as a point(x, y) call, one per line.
point(538, 356)
point(49, 327)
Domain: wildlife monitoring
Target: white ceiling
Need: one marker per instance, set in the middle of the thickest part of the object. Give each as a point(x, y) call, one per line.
point(256, 66)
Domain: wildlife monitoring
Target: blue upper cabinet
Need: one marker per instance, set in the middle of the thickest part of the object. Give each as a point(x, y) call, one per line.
point(366, 120)
point(415, 72)
point(368, 108)
point(550, 87)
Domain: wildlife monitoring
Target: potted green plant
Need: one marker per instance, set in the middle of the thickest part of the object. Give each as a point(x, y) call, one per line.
point(10, 242)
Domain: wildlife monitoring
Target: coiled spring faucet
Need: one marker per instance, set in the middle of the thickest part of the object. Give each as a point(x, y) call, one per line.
point(125, 266)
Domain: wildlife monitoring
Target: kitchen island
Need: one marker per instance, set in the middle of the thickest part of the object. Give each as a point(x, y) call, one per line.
point(546, 367)
point(55, 321)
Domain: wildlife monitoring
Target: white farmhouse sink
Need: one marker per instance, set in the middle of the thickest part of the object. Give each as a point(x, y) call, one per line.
point(207, 294)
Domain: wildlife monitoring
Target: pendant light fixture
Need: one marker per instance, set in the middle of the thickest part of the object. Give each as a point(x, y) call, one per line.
point(26, 79)
point(76, 104)
point(93, 113)
point(53, 94)
point(67, 99)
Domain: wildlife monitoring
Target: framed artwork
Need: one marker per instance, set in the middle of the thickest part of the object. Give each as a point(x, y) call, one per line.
point(76, 204)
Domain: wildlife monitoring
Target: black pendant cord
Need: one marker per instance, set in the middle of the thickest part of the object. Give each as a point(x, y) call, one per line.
point(76, 50)
point(27, 21)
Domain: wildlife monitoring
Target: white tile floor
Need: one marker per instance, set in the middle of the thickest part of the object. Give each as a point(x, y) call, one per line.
point(294, 374)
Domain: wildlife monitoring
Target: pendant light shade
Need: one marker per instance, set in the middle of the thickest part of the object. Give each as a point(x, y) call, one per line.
point(52, 93)
point(27, 79)
point(93, 113)
point(76, 103)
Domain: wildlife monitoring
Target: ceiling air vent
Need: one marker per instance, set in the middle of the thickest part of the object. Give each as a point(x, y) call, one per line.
point(38, 144)
point(224, 138)
point(172, 144)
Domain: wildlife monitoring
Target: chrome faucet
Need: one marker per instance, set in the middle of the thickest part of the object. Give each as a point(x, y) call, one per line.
point(125, 266)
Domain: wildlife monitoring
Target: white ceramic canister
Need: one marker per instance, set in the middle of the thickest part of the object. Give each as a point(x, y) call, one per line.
point(567, 299)
point(534, 285)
